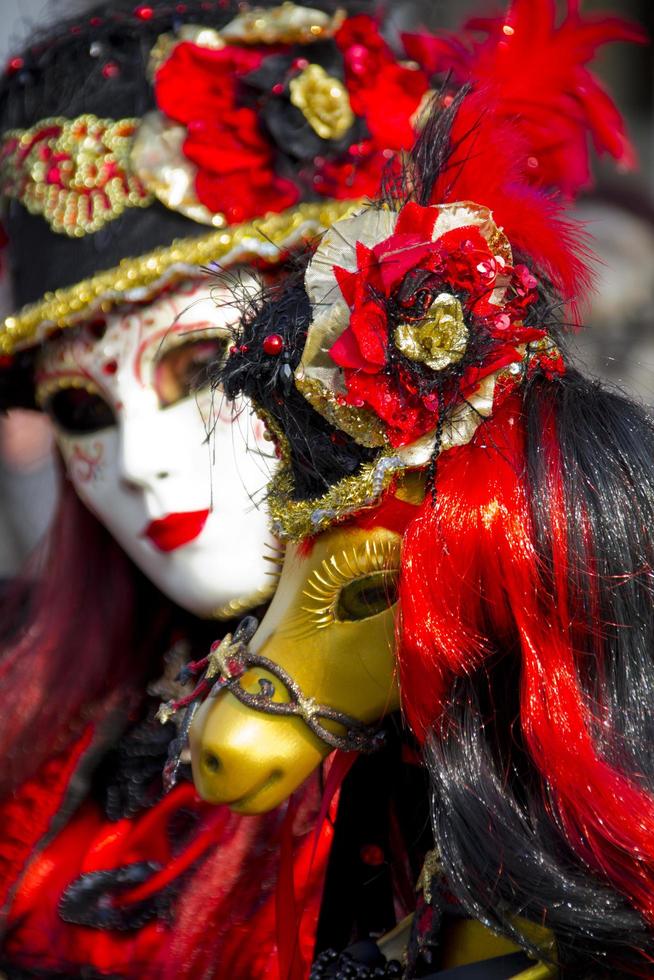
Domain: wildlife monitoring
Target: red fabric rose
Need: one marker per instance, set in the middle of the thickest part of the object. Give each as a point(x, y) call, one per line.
point(461, 262)
point(237, 156)
point(382, 92)
point(236, 173)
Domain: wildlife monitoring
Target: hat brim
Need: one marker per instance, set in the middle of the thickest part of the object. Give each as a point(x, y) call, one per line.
point(264, 241)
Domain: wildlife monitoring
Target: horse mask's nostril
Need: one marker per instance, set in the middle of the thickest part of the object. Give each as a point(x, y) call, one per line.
point(211, 762)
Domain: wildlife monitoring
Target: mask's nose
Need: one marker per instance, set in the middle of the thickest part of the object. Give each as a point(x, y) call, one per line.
point(144, 455)
point(249, 760)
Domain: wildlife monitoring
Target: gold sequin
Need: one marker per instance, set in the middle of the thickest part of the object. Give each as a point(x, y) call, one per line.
point(267, 239)
point(75, 173)
point(360, 423)
point(439, 339)
point(323, 101)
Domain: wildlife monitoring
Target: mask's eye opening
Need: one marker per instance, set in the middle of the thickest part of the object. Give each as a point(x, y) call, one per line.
point(78, 411)
point(184, 369)
point(367, 596)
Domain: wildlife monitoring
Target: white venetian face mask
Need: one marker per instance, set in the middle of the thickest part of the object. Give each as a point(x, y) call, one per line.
point(133, 432)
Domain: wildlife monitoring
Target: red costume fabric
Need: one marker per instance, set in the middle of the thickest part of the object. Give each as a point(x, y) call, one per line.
point(180, 834)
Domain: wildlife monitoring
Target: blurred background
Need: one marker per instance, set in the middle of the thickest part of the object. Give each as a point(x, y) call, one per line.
point(617, 344)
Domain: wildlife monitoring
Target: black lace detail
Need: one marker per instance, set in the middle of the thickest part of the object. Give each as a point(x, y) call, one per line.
point(91, 899)
point(129, 778)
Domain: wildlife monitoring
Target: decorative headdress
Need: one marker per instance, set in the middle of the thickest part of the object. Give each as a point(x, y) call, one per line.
point(421, 313)
point(147, 141)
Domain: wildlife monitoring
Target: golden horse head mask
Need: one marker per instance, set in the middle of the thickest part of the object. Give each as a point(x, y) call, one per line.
point(317, 674)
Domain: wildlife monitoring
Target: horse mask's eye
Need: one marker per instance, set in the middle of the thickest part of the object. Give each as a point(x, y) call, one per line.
point(367, 596)
point(354, 584)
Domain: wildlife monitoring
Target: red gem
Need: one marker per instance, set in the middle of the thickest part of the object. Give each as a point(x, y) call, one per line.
point(233, 349)
point(110, 69)
point(95, 21)
point(6, 360)
point(110, 367)
point(278, 89)
point(181, 8)
point(300, 64)
point(244, 348)
point(372, 854)
point(14, 65)
point(144, 13)
point(273, 343)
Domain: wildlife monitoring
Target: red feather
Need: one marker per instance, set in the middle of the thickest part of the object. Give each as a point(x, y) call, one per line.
point(521, 136)
point(537, 75)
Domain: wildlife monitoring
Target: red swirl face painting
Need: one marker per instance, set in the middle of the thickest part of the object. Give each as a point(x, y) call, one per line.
point(174, 474)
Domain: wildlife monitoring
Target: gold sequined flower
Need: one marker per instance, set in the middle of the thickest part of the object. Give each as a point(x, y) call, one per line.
point(438, 340)
point(323, 101)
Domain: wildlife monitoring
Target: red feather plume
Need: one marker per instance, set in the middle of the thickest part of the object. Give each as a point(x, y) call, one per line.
point(521, 136)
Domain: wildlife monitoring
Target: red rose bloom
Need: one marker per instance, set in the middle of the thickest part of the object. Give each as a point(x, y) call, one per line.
point(459, 262)
point(236, 107)
point(236, 174)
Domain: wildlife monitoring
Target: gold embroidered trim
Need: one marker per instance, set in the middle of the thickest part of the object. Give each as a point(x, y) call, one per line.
point(138, 279)
point(298, 519)
point(75, 173)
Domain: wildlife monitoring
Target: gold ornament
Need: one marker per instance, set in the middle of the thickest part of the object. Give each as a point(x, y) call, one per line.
point(75, 173)
point(323, 101)
point(286, 24)
point(439, 339)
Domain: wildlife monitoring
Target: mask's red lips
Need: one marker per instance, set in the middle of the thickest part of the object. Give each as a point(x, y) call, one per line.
point(174, 530)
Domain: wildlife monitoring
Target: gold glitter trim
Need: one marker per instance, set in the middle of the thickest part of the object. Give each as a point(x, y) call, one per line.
point(323, 101)
point(75, 173)
point(299, 519)
point(360, 423)
point(138, 279)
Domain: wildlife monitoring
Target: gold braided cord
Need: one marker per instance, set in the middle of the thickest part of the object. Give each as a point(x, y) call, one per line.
point(265, 239)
